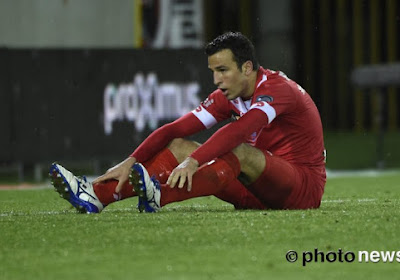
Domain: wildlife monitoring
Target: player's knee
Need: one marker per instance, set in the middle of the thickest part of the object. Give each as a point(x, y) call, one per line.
point(252, 160)
point(174, 144)
point(182, 148)
point(241, 152)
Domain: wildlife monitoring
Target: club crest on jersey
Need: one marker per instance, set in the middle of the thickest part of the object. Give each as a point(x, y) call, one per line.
point(253, 136)
point(265, 98)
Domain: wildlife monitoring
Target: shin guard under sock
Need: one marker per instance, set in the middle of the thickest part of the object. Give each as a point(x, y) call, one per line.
point(209, 179)
point(105, 191)
point(161, 165)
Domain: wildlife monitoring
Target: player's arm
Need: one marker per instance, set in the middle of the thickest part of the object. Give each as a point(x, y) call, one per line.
point(207, 114)
point(223, 141)
point(230, 136)
point(161, 137)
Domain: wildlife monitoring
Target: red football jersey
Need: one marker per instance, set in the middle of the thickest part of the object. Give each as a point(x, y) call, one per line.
point(280, 117)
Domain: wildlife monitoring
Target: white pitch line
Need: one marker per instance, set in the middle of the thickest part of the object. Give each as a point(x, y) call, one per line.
point(67, 211)
point(360, 200)
point(360, 173)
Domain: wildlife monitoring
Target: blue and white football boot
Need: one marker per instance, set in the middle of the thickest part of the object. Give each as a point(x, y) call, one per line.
point(78, 191)
point(147, 188)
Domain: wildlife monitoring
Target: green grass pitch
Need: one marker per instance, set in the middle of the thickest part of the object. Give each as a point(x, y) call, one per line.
point(203, 238)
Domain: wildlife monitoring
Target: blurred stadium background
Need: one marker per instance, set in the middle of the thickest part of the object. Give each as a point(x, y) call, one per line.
point(84, 82)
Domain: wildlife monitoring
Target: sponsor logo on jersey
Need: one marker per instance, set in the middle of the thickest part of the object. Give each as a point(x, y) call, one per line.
point(208, 102)
point(265, 98)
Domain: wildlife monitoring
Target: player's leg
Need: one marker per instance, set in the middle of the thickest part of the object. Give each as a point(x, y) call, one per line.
point(238, 195)
point(92, 198)
point(235, 193)
point(275, 182)
point(207, 178)
point(210, 179)
point(160, 166)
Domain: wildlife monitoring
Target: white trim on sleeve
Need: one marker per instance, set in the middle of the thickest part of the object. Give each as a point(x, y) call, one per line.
point(266, 108)
point(204, 116)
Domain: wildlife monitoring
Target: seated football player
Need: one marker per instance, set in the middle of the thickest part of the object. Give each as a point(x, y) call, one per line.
point(270, 157)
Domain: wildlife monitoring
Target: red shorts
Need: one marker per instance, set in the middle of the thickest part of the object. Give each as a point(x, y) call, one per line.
point(283, 185)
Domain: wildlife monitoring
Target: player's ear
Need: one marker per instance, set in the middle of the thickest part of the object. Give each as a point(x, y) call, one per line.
point(247, 67)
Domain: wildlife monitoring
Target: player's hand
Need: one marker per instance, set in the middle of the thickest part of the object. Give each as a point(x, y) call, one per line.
point(182, 173)
point(119, 172)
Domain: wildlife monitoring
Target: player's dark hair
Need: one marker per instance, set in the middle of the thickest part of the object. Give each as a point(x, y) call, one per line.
point(241, 47)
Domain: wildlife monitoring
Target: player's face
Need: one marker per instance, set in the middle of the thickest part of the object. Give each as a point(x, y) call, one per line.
point(227, 76)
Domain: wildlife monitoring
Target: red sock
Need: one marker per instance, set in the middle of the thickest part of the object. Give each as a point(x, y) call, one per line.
point(209, 179)
point(238, 195)
point(160, 166)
